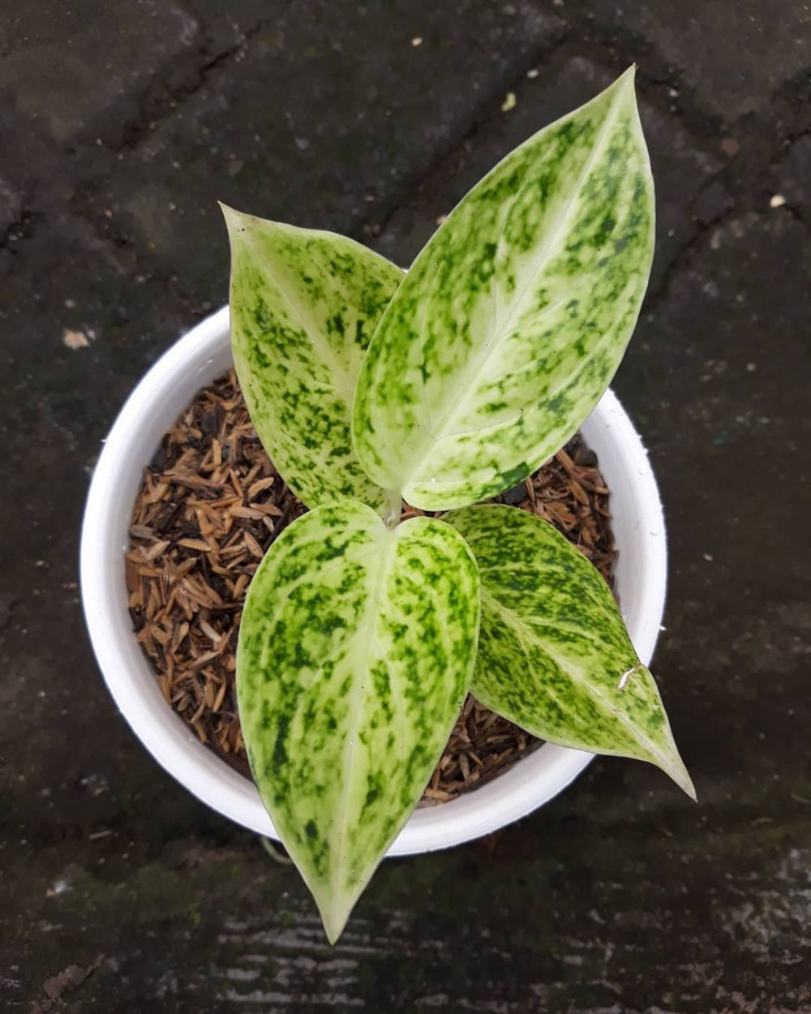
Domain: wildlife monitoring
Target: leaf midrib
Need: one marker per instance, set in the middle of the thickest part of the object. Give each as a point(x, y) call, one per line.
point(477, 364)
point(359, 663)
point(526, 633)
point(339, 377)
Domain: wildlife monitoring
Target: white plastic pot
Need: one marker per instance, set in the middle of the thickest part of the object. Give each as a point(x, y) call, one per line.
point(192, 363)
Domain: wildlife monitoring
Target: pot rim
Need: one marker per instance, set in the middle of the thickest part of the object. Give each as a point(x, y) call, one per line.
point(188, 365)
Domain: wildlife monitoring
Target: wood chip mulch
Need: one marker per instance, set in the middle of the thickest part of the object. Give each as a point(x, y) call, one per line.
point(210, 505)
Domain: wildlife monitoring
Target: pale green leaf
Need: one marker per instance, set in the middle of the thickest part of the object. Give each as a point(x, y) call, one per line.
point(554, 655)
point(514, 317)
point(356, 650)
point(304, 305)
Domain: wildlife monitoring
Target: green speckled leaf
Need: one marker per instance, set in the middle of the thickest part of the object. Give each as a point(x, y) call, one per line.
point(356, 650)
point(514, 317)
point(554, 655)
point(304, 305)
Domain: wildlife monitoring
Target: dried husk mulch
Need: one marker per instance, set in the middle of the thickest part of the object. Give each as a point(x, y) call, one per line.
point(210, 505)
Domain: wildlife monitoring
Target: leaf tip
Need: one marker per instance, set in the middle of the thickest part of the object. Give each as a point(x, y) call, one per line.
point(232, 216)
point(626, 82)
point(334, 911)
point(688, 786)
point(678, 772)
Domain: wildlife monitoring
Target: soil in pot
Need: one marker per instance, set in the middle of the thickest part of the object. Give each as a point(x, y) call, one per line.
point(209, 506)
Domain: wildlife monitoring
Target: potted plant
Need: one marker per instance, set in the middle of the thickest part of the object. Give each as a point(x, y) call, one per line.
point(362, 632)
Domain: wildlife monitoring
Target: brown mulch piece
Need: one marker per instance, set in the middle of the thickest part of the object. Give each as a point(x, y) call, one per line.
point(209, 506)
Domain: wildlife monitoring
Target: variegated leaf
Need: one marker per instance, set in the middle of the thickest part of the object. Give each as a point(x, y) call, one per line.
point(304, 305)
point(356, 650)
point(514, 317)
point(554, 655)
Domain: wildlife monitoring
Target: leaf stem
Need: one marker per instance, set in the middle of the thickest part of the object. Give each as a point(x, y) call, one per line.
point(275, 854)
point(394, 507)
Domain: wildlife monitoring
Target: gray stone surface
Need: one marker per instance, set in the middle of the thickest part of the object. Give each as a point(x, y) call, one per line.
point(326, 120)
point(79, 69)
point(122, 124)
point(732, 57)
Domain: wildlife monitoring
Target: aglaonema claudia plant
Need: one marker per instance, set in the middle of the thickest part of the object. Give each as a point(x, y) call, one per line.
point(361, 634)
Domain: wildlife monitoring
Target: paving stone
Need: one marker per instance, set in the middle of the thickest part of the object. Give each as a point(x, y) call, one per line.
point(10, 205)
point(791, 180)
point(301, 128)
point(732, 57)
point(729, 78)
point(712, 203)
point(228, 25)
point(78, 68)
